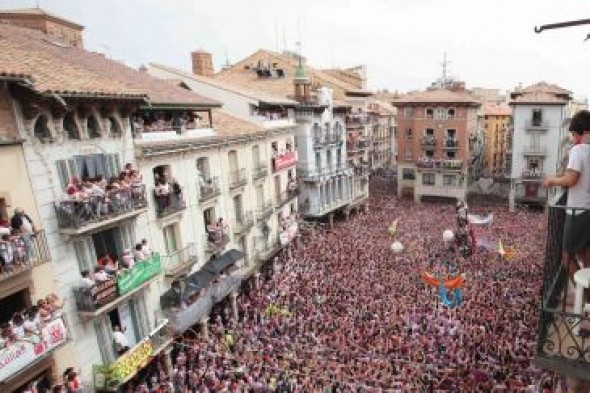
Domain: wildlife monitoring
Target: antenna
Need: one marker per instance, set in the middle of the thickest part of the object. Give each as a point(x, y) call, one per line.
point(277, 36)
point(299, 37)
point(284, 40)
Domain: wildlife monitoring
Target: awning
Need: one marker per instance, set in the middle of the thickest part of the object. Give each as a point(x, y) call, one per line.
point(217, 265)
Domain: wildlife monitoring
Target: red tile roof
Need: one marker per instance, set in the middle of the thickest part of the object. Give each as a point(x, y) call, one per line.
point(496, 109)
point(437, 96)
point(55, 68)
point(541, 93)
point(39, 12)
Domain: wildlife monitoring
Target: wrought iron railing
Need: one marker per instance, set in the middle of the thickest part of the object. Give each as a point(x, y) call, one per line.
point(216, 242)
point(243, 222)
point(429, 141)
point(180, 259)
point(238, 178)
point(260, 171)
point(285, 197)
point(450, 144)
point(169, 204)
point(22, 253)
point(561, 346)
point(77, 214)
point(208, 188)
point(264, 210)
point(319, 142)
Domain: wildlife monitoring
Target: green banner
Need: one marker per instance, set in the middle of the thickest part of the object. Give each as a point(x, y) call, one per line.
point(141, 272)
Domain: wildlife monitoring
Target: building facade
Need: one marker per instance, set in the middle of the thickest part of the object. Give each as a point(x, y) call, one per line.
point(540, 112)
point(497, 123)
point(437, 132)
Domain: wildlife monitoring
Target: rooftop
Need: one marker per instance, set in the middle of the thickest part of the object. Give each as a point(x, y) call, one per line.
point(40, 12)
point(52, 68)
point(541, 93)
point(496, 109)
point(437, 96)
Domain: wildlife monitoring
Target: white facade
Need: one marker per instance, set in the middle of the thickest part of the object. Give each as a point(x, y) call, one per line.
point(536, 150)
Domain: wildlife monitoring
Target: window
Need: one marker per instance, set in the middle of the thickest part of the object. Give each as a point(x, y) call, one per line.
point(428, 179)
point(429, 153)
point(450, 155)
point(233, 162)
point(209, 216)
point(441, 113)
point(329, 158)
point(203, 167)
point(451, 133)
point(408, 111)
point(408, 174)
point(238, 211)
point(449, 180)
point(318, 161)
point(170, 238)
point(429, 113)
point(429, 132)
point(339, 157)
point(533, 164)
point(93, 128)
point(70, 126)
point(317, 132)
point(537, 119)
point(451, 113)
point(4, 209)
point(256, 156)
point(114, 128)
point(88, 167)
point(408, 153)
point(408, 133)
point(41, 129)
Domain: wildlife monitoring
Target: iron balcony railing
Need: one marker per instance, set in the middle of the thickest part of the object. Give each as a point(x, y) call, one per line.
point(429, 141)
point(285, 197)
point(536, 125)
point(260, 171)
point(266, 248)
point(238, 178)
point(180, 260)
point(101, 295)
point(243, 223)
point(562, 345)
point(75, 215)
point(319, 142)
point(22, 253)
point(434, 163)
point(264, 210)
point(450, 144)
point(208, 188)
point(169, 204)
point(532, 175)
point(533, 150)
point(215, 242)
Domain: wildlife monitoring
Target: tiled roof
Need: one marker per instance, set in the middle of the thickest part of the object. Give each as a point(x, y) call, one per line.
point(179, 75)
point(226, 125)
point(544, 87)
point(247, 78)
point(495, 109)
point(39, 12)
point(541, 93)
point(436, 96)
point(55, 68)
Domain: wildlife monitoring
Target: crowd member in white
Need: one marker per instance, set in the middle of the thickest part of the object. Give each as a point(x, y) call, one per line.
point(121, 341)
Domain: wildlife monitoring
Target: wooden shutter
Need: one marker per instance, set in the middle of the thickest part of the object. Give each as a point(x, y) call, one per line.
point(85, 253)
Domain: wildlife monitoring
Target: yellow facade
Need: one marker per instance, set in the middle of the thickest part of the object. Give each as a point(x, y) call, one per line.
point(497, 123)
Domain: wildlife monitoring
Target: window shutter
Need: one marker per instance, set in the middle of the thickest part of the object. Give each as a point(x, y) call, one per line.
point(62, 172)
point(73, 169)
point(113, 164)
point(104, 337)
point(85, 253)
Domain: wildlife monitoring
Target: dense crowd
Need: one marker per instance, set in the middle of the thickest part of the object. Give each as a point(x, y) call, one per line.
point(344, 314)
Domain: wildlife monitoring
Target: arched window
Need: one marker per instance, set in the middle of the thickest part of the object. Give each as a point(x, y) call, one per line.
point(93, 128)
point(70, 126)
point(317, 132)
point(41, 129)
point(114, 128)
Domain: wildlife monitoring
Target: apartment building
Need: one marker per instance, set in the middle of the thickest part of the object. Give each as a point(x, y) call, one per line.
point(497, 126)
point(436, 140)
point(540, 114)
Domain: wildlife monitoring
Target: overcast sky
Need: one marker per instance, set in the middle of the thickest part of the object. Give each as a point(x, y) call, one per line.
point(489, 43)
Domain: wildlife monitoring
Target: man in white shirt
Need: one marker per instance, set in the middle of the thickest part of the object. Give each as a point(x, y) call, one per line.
point(576, 236)
point(120, 339)
point(86, 281)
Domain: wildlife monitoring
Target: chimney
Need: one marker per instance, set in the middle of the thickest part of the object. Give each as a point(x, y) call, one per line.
point(202, 63)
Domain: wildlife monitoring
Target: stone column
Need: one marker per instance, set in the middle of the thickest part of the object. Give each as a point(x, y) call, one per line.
point(205, 328)
point(233, 297)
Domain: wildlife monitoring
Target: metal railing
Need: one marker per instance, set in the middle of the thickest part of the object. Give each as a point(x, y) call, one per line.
point(450, 144)
point(243, 222)
point(238, 178)
point(180, 259)
point(285, 197)
point(216, 242)
point(264, 210)
point(208, 188)
point(319, 142)
point(23, 252)
point(91, 299)
point(531, 192)
point(532, 175)
point(434, 163)
point(78, 214)
point(536, 125)
point(534, 150)
point(312, 173)
point(429, 141)
point(169, 204)
point(260, 171)
point(560, 345)
point(265, 248)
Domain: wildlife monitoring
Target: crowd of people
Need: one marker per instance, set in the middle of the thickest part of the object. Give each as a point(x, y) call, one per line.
point(168, 192)
point(93, 198)
point(356, 317)
point(107, 268)
point(16, 242)
point(26, 324)
point(188, 121)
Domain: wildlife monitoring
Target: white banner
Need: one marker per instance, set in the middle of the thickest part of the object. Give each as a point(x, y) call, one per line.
point(480, 220)
point(20, 354)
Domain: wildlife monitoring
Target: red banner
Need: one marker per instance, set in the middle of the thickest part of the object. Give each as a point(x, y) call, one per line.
point(284, 160)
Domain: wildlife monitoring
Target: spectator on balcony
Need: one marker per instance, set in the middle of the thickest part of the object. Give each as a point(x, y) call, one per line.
point(86, 281)
point(176, 191)
point(576, 242)
point(100, 275)
point(45, 311)
point(145, 248)
point(6, 253)
point(138, 253)
point(121, 342)
point(25, 228)
point(162, 193)
point(55, 303)
point(127, 259)
point(17, 324)
point(32, 325)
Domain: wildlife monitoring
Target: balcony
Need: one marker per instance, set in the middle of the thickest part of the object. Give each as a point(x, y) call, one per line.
point(215, 241)
point(562, 347)
point(259, 171)
point(278, 123)
point(179, 261)
point(439, 163)
point(16, 357)
point(265, 249)
point(530, 192)
point(532, 175)
point(313, 174)
point(167, 205)
point(534, 125)
point(357, 120)
point(450, 144)
point(237, 178)
point(353, 147)
point(285, 197)
point(283, 161)
point(289, 230)
point(243, 223)
point(208, 188)
point(319, 142)
point(334, 139)
point(103, 297)
point(534, 150)
point(110, 377)
point(16, 263)
point(264, 211)
point(428, 141)
point(79, 217)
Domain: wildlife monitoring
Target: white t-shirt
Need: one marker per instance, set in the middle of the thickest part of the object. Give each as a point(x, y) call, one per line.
point(579, 161)
point(120, 340)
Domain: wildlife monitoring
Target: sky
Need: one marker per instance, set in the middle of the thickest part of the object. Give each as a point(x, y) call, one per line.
point(488, 43)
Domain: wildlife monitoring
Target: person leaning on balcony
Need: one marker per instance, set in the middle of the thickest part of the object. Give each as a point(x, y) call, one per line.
point(86, 281)
point(138, 253)
point(576, 242)
point(121, 342)
point(145, 248)
point(100, 275)
point(25, 227)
